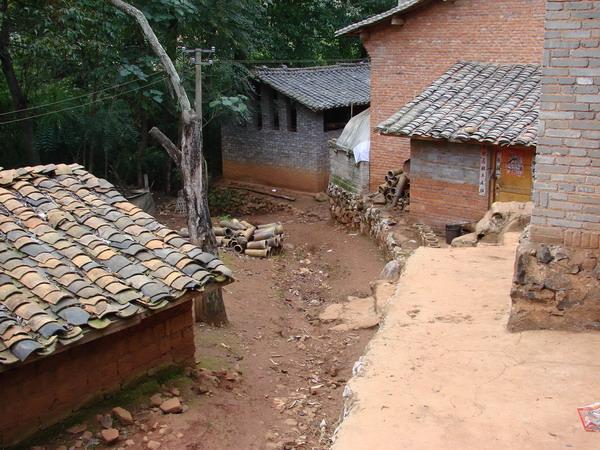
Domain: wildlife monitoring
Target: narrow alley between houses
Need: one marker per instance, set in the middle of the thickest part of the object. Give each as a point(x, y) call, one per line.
point(274, 377)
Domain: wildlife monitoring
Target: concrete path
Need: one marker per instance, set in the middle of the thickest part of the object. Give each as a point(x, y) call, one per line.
point(443, 372)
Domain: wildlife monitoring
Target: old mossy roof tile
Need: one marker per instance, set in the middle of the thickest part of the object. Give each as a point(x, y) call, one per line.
point(489, 103)
point(75, 256)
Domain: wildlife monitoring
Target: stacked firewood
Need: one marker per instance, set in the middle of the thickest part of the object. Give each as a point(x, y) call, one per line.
point(395, 190)
point(242, 237)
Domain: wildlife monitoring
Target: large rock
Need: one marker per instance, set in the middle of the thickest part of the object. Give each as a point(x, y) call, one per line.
point(110, 435)
point(321, 197)
point(356, 314)
point(391, 271)
point(171, 406)
point(467, 240)
point(123, 415)
point(502, 218)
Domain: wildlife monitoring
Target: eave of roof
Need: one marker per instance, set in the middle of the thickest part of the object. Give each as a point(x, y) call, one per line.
point(496, 104)
point(403, 7)
point(322, 87)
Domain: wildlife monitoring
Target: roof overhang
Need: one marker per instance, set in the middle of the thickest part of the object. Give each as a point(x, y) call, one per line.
point(392, 16)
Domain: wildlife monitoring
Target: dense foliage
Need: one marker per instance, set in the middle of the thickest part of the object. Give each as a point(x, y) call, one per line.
point(88, 89)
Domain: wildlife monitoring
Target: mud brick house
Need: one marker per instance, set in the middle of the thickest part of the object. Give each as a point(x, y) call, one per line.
point(415, 42)
point(473, 134)
point(93, 293)
point(296, 112)
point(557, 276)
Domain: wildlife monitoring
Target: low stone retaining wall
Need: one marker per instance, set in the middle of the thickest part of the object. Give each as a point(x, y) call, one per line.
point(360, 213)
point(555, 287)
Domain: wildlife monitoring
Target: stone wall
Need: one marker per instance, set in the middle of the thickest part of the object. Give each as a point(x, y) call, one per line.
point(278, 157)
point(407, 58)
point(555, 287)
point(358, 212)
point(43, 392)
point(557, 273)
point(444, 183)
point(345, 173)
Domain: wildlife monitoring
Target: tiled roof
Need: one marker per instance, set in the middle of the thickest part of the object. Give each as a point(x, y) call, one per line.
point(491, 103)
point(402, 7)
point(323, 87)
point(76, 256)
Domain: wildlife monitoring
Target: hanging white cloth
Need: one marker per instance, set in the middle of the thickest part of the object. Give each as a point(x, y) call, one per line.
point(361, 151)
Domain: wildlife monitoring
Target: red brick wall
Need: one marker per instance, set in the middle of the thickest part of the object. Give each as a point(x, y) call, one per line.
point(43, 392)
point(444, 186)
point(406, 58)
point(430, 200)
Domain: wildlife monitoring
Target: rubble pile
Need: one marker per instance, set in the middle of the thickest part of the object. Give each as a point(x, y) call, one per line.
point(242, 237)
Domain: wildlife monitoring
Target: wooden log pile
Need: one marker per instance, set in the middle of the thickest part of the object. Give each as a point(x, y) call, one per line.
point(260, 241)
point(394, 191)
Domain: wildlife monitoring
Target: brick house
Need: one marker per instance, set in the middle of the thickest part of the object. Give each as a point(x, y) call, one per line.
point(473, 134)
point(93, 293)
point(415, 42)
point(295, 113)
point(557, 273)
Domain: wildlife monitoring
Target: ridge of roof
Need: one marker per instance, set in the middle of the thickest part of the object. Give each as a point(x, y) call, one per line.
point(489, 103)
point(402, 7)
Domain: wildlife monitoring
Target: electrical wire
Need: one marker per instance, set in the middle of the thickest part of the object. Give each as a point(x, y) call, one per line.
point(83, 104)
point(58, 102)
point(17, 111)
point(283, 61)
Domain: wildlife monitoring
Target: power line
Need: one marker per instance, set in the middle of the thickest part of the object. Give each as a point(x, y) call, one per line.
point(283, 61)
point(58, 102)
point(73, 98)
point(83, 104)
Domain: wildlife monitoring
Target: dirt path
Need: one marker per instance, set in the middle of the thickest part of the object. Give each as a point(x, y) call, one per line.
point(284, 370)
point(443, 372)
point(281, 347)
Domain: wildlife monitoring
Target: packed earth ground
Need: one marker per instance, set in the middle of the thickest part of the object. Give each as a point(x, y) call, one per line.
point(272, 378)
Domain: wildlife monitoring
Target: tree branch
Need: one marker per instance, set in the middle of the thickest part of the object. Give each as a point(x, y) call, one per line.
point(157, 48)
point(167, 144)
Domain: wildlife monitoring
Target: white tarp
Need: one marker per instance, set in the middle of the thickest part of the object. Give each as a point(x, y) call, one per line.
point(357, 136)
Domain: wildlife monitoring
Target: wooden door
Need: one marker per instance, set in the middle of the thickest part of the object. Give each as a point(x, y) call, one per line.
point(514, 174)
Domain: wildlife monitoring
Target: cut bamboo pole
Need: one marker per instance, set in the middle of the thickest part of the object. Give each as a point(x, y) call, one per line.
point(262, 253)
point(257, 245)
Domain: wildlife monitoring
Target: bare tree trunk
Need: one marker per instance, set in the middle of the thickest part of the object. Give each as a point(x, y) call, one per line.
point(168, 177)
point(195, 187)
point(190, 159)
point(142, 146)
point(17, 95)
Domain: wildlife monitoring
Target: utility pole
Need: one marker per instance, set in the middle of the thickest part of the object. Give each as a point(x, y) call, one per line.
point(198, 63)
